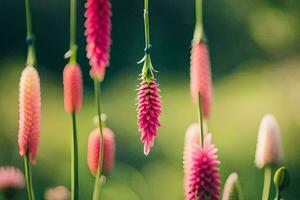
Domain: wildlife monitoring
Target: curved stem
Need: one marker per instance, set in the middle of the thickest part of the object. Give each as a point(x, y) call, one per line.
point(200, 119)
point(267, 182)
point(198, 34)
point(28, 177)
point(73, 47)
point(31, 59)
point(74, 161)
point(98, 185)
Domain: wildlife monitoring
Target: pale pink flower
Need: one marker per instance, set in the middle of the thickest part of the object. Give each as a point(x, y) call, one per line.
point(72, 88)
point(268, 149)
point(58, 193)
point(232, 188)
point(94, 151)
point(200, 77)
point(11, 178)
point(30, 112)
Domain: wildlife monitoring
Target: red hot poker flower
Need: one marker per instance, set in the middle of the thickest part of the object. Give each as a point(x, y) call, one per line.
point(98, 30)
point(200, 77)
point(201, 173)
point(94, 151)
point(149, 109)
point(72, 88)
point(30, 112)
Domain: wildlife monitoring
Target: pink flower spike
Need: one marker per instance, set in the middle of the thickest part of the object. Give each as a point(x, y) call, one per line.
point(202, 178)
point(94, 150)
point(149, 109)
point(200, 77)
point(72, 88)
point(11, 178)
point(98, 30)
point(30, 112)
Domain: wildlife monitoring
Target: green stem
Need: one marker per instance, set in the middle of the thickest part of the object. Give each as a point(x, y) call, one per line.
point(200, 119)
point(146, 23)
point(267, 182)
point(28, 177)
point(278, 196)
point(97, 187)
point(198, 34)
point(73, 47)
point(74, 161)
point(31, 58)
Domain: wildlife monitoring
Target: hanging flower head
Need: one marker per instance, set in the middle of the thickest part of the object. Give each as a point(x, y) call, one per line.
point(200, 77)
point(268, 149)
point(98, 30)
point(30, 112)
point(94, 151)
point(202, 178)
point(72, 88)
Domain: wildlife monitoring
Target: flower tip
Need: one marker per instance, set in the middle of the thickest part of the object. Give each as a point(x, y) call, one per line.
point(268, 149)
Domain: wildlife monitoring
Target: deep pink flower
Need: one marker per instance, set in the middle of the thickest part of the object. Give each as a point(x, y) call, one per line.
point(11, 177)
point(200, 75)
point(30, 112)
point(149, 109)
point(202, 178)
point(72, 88)
point(98, 29)
point(94, 150)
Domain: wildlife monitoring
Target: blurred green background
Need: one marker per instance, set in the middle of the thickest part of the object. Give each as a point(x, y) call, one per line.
point(254, 47)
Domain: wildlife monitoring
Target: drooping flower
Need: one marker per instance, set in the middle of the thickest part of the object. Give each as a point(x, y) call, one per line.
point(268, 149)
point(98, 30)
point(202, 178)
point(58, 193)
point(11, 178)
point(30, 112)
point(72, 88)
point(200, 77)
point(149, 109)
point(232, 188)
point(94, 151)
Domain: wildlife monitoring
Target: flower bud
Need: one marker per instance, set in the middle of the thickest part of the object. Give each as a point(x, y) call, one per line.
point(268, 149)
point(281, 178)
point(232, 188)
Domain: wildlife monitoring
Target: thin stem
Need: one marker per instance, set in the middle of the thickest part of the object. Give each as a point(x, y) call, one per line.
point(267, 182)
point(146, 23)
point(198, 34)
point(73, 48)
point(200, 118)
point(97, 187)
point(31, 59)
point(28, 177)
point(278, 196)
point(74, 161)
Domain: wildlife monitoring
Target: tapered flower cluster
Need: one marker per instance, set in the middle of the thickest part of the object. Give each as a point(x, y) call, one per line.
point(202, 178)
point(268, 149)
point(94, 151)
point(72, 88)
point(30, 112)
point(200, 77)
point(11, 178)
point(149, 109)
point(98, 30)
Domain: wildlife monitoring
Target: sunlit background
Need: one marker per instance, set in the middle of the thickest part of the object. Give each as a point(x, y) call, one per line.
point(255, 53)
